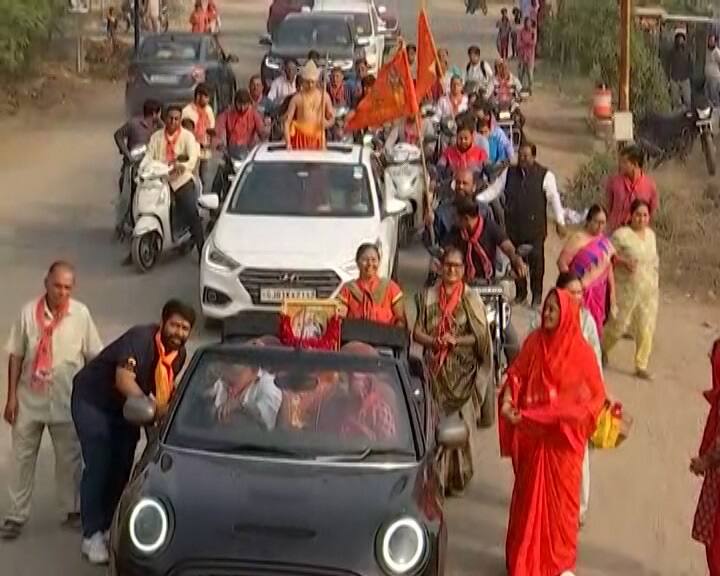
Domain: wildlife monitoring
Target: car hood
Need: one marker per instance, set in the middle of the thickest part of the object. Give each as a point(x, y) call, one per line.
point(276, 511)
point(292, 242)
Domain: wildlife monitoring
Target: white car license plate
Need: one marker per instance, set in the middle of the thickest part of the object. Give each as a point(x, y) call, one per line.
point(163, 79)
point(277, 295)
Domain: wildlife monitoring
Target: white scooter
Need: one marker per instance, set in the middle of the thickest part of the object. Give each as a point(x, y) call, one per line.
point(157, 229)
point(404, 180)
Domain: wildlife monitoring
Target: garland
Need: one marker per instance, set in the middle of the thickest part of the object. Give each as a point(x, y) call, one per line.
point(330, 340)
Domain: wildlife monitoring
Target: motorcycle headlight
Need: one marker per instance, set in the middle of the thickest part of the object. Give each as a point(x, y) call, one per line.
point(402, 547)
point(149, 527)
point(704, 113)
point(219, 259)
point(273, 63)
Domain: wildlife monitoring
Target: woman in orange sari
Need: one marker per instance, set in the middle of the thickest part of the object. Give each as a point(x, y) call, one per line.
point(549, 407)
point(588, 254)
point(706, 527)
point(371, 297)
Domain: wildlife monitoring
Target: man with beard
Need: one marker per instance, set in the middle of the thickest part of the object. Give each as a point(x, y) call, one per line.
point(142, 362)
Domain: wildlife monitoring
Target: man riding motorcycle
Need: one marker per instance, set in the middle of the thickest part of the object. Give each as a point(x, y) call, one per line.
point(506, 86)
point(135, 132)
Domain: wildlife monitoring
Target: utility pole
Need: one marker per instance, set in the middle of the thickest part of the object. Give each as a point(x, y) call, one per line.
point(624, 67)
point(136, 24)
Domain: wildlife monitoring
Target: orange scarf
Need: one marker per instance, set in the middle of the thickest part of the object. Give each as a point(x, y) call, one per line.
point(201, 126)
point(474, 247)
point(164, 374)
point(170, 142)
point(43, 361)
point(448, 303)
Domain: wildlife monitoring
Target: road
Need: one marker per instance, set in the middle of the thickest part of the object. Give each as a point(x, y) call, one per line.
point(57, 176)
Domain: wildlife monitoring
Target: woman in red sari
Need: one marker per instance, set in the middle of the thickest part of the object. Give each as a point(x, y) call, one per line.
point(550, 403)
point(371, 297)
point(706, 528)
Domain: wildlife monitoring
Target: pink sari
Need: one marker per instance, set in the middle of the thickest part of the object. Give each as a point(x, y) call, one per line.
point(592, 264)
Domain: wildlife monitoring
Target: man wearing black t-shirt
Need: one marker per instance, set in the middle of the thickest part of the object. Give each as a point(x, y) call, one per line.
point(142, 362)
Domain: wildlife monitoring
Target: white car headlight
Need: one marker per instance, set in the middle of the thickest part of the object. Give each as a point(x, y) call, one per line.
point(704, 113)
point(149, 527)
point(402, 546)
point(218, 258)
point(273, 63)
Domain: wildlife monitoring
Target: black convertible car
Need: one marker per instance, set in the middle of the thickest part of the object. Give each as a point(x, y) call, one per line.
point(280, 461)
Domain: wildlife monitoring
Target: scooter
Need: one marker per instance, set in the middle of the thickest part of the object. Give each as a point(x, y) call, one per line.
point(404, 179)
point(124, 222)
point(157, 229)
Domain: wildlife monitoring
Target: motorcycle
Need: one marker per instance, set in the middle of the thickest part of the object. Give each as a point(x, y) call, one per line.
point(666, 136)
point(404, 179)
point(156, 229)
point(124, 221)
point(511, 120)
point(228, 168)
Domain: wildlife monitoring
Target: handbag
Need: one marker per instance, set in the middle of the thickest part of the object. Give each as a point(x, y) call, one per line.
point(613, 426)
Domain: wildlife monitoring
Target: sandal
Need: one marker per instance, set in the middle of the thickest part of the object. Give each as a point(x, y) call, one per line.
point(643, 374)
point(10, 530)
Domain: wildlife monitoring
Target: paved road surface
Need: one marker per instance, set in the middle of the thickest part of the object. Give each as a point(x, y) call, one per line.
point(57, 176)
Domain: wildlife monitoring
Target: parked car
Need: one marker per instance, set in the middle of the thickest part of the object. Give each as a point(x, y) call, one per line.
point(291, 224)
point(279, 9)
point(331, 35)
point(389, 13)
point(369, 29)
point(271, 489)
point(168, 68)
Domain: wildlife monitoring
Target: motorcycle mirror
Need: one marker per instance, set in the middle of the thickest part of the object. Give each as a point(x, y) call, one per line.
point(209, 202)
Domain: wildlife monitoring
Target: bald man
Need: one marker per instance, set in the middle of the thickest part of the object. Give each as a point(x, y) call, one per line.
point(52, 339)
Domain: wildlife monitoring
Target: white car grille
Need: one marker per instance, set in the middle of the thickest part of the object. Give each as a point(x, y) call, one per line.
point(324, 282)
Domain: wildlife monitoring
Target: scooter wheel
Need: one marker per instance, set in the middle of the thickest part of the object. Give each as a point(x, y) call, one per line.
point(145, 250)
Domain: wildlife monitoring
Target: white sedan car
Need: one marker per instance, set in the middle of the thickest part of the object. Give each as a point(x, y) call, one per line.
point(290, 227)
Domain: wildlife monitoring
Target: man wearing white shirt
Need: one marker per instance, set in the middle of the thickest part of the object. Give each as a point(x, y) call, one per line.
point(528, 187)
point(285, 84)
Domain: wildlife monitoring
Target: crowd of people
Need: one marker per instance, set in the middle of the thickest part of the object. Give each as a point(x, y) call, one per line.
point(496, 201)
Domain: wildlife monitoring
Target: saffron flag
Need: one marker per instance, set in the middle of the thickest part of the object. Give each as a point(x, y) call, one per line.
point(391, 97)
point(428, 65)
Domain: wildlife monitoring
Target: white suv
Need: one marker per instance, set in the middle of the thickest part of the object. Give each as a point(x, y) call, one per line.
point(290, 227)
point(370, 29)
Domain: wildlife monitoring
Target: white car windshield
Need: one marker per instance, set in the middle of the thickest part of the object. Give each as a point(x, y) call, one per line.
point(303, 189)
point(276, 402)
point(313, 33)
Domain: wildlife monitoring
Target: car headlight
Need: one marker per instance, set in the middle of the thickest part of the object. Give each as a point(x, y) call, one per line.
point(149, 526)
point(402, 546)
point(704, 113)
point(273, 63)
point(219, 259)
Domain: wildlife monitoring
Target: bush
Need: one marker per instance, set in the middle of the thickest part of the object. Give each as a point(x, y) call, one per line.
point(587, 186)
point(583, 38)
point(24, 25)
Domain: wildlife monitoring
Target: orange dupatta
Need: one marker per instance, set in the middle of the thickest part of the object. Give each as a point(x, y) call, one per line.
point(43, 361)
point(164, 373)
point(447, 303)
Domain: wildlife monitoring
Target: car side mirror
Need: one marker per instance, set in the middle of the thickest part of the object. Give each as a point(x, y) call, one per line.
point(452, 432)
point(139, 411)
point(209, 202)
point(265, 40)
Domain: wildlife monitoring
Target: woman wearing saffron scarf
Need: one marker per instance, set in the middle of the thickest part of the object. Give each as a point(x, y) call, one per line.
point(371, 297)
point(452, 327)
point(549, 407)
point(706, 527)
point(588, 254)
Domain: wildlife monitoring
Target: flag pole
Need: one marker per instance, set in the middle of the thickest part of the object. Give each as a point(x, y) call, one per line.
point(322, 100)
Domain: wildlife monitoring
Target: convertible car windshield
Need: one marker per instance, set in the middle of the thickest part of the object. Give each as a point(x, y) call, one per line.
point(281, 404)
point(303, 189)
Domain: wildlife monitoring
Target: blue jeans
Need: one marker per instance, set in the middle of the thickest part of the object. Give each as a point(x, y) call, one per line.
point(108, 449)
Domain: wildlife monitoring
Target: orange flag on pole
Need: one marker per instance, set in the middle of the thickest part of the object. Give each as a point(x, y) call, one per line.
point(391, 97)
point(427, 59)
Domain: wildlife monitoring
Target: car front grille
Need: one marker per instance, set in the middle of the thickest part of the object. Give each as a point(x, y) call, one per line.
point(254, 569)
point(324, 282)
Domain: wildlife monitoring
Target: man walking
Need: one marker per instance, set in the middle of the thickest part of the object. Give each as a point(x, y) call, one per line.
point(528, 187)
point(629, 184)
point(142, 362)
point(680, 68)
point(49, 343)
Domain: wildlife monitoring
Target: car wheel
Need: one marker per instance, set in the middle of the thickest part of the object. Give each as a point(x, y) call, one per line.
point(145, 251)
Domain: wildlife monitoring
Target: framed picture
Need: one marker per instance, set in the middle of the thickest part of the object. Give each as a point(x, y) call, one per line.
point(309, 319)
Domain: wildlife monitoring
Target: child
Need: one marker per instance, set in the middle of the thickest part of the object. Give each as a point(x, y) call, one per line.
point(505, 29)
point(517, 26)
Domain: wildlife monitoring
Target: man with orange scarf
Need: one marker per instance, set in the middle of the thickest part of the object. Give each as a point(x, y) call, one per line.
point(201, 113)
point(142, 362)
point(706, 528)
point(52, 339)
point(549, 406)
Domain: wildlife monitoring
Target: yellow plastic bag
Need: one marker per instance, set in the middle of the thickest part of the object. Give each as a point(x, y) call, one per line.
point(613, 427)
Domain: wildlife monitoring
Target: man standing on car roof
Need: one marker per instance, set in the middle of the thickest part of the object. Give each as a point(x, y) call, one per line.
point(142, 362)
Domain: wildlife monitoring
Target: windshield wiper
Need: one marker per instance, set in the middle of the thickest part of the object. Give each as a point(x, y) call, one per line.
point(254, 449)
point(365, 454)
